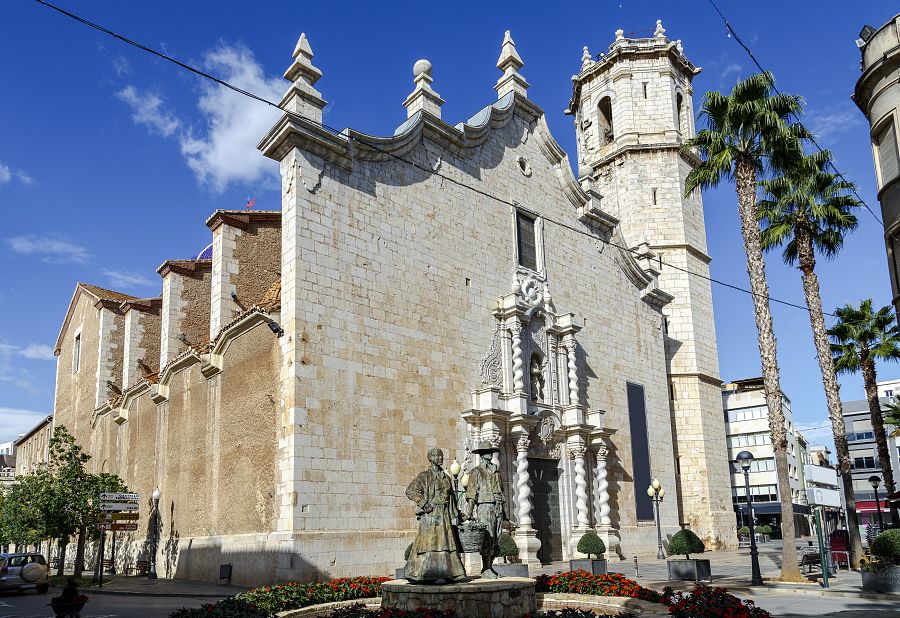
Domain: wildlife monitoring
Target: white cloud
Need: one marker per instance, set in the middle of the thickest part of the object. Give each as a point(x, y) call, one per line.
point(5, 174)
point(731, 68)
point(226, 152)
point(37, 351)
point(147, 109)
point(129, 280)
point(834, 120)
point(50, 250)
point(24, 178)
point(21, 379)
point(121, 65)
point(15, 421)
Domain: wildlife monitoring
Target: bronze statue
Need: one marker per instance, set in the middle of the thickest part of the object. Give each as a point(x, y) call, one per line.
point(485, 502)
point(434, 556)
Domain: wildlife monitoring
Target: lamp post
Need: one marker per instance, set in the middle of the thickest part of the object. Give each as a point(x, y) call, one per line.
point(154, 534)
point(744, 459)
point(876, 481)
point(657, 492)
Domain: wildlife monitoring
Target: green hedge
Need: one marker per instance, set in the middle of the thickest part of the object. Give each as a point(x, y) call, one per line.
point(887, 545)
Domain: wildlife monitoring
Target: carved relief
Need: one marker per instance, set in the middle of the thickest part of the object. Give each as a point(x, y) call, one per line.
point(491, 364)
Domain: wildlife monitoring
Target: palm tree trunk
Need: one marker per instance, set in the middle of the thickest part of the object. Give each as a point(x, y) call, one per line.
point(870, 381)
point(807, 259)
point(745, 184)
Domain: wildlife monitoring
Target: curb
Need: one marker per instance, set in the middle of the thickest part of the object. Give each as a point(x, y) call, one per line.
point(821, 592)
point(188, 595)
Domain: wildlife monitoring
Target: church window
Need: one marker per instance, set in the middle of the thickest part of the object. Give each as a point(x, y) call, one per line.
point(679, 114)
point(653, 191)
point(76, 353)
point(886, 153)
point(640, 451)
point(645, 89)
point(526, 241)
point(606, 121)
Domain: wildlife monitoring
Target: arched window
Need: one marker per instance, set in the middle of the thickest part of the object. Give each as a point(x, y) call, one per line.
point(679, 115)
point(606, 121)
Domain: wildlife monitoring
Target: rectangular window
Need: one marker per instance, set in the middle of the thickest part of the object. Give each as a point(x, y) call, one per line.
point(525, 239)
point(640, 451)
point(76, 354)
point(886, 148)
point(645, 90)
point(889, 392)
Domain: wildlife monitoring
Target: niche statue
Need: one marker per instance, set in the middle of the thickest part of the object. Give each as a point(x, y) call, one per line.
point(434, 555)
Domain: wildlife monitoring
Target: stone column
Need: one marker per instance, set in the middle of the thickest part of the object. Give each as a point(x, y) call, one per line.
point(601, 495)
point(515, 330)
point(577, 454)
point(573, 371)
point(525, 534)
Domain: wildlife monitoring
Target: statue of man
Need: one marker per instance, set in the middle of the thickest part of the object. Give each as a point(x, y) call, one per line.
point(434, 556)
point(485, 503)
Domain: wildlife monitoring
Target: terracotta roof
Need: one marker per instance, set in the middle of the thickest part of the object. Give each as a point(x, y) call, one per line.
point(108, 298)
point(242, 218)
point(104, 294)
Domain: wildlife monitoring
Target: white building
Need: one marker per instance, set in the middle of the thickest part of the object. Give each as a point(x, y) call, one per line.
point(864, 453)
point(747, 429)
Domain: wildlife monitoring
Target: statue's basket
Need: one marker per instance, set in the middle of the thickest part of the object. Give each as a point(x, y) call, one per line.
point(471, 536)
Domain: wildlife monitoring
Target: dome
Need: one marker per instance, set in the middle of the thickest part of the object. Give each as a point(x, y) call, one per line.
point(206, 254)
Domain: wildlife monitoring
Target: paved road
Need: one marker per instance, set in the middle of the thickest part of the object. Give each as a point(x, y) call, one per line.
point(31, 605)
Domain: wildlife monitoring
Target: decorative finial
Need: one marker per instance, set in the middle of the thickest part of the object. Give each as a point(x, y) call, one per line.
point(510, 62)
point(423, 97)
point(620, 34)
point(585, 58)
point(302, 98)
point(660, 32)
point(679, 46)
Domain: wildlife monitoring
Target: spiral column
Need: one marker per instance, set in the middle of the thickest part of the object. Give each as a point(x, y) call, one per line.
point(577, 454)
point(515, 330)
point(573, 372)
point(602, 494)
point(523, 482)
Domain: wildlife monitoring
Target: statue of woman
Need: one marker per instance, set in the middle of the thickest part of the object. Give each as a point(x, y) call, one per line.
point(434, 556)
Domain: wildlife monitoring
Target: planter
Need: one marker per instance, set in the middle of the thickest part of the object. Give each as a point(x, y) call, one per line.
point(471, 536)
point(594, 567)
point(511, 570)
point(886, 580)
point(692, 569)
point(68, 609)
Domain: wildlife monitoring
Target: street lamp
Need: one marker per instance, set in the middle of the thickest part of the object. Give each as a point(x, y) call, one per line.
point(744, 459)
point(154, 533)
point(657, 492)
point(876, 481)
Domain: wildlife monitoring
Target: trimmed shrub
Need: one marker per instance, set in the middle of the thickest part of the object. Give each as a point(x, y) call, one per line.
point(744, 530)
point(686, 542)
point(765, 529)
point(508, 547)
point(590, 543)
point(887, 546)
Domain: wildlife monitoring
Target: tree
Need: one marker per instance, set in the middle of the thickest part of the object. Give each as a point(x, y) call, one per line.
point(748, 135)
point(66, 500)
point(21, 521)
point(861, 337)
point(807, 210)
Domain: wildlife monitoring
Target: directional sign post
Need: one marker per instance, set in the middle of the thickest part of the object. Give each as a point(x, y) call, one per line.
point(120, 497)
point(121, 517)
point(117, 527)
point(118, 506)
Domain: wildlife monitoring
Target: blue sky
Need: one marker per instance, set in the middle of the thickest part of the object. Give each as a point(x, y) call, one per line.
point(111, 159)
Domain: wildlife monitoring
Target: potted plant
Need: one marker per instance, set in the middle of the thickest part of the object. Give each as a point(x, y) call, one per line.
point(509, 551)
point(686, 542)
point(883, 574)
point(763, 533)
point(70, 602)
point(744, 533)
point(589, 544)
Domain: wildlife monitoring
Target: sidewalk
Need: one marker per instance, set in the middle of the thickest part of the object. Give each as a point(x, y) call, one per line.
point(162, 587)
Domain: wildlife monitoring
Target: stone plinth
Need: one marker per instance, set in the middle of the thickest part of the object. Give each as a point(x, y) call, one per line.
point(510, 597)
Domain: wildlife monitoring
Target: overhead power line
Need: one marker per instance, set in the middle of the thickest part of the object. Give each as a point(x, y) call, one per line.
point(426, 169)
point(812, 138)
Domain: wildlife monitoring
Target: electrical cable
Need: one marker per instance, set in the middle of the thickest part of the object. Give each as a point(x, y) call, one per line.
point(422, 168)
point(811, 138)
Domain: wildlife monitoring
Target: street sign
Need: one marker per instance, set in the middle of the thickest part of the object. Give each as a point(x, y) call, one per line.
point(118, 527)
point(119, 497)
point(121, 516)
point(118, 506)
point(822, 496)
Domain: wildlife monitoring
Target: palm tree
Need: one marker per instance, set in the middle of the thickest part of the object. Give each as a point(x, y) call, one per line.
point(892, 416)
point(860, 337)
point(807, 210)
point(748, 135)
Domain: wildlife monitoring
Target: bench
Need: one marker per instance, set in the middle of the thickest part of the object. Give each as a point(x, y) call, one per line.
point(810, 560)
point(141, 566)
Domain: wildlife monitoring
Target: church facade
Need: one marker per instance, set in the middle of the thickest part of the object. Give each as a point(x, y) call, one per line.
point(443, 286)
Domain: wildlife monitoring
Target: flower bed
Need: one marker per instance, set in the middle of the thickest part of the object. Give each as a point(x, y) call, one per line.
point(359, 611)
point(269, 600)
point(606, 585)
point(710, 603)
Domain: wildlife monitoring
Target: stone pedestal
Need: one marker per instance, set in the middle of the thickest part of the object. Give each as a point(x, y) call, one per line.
point(528, 544)
point(510, 597)
point(610, 538)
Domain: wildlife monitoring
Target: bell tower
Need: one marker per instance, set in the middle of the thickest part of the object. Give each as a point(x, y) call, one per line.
point(633, 111)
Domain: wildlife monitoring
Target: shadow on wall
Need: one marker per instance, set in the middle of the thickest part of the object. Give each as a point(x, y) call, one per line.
point(254, 566)
point(170, 547)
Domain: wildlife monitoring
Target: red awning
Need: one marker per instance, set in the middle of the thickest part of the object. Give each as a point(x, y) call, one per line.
point(869, 506)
